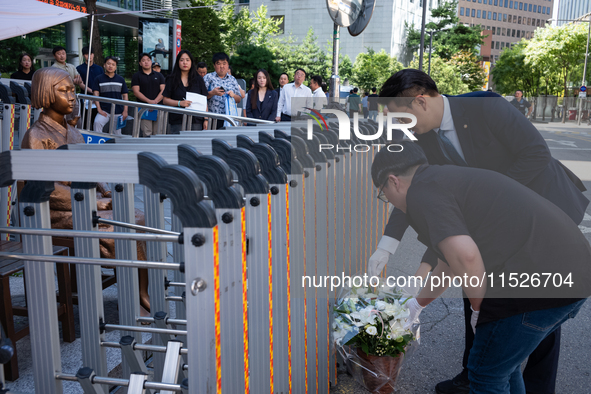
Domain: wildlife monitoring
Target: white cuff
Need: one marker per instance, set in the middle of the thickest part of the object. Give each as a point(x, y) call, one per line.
point(416, 304)
point(389, 244)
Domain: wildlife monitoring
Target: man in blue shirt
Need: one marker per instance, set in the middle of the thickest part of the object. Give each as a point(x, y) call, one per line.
point(113, 86)
point(219, 83)
point(95, 69)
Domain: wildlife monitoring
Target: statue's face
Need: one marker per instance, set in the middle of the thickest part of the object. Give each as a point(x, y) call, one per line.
point(65, 97)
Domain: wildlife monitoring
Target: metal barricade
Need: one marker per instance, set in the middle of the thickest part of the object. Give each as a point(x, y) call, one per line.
point(163, 110)
point(368, 207)
point(277, 208)
point(186, 193)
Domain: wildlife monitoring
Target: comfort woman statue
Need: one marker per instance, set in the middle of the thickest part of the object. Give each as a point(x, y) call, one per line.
point(54, 91)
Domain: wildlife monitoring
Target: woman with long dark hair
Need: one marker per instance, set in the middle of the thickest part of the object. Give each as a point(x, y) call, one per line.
point(26, 68)
point(183, 78)
point(262, 99)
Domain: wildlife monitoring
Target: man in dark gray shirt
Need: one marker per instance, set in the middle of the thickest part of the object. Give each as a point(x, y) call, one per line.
point(485, 226)
point(522, 104)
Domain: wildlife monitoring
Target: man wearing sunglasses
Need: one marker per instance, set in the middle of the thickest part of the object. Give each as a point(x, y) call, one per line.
point(480, 130)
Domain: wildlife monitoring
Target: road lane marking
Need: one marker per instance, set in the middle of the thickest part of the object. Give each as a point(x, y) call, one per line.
point(564, 142)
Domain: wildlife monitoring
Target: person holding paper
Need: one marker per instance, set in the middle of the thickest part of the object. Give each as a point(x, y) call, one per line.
point(184, 79)
point(262, 99)
point(147, 86)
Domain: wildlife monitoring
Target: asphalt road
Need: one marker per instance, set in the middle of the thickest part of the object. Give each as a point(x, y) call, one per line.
point(439, 356)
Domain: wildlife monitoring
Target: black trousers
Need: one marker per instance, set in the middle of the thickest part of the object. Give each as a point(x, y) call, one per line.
point(540, 371)
point(285, 117)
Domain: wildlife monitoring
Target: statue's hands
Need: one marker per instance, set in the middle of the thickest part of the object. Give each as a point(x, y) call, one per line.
point(103, 189)
point(104, 204)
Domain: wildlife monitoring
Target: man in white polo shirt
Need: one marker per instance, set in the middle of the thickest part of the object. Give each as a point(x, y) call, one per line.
point(289, 91)
point(318, 94)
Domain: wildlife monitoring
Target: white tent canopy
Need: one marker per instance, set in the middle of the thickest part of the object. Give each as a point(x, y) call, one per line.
point(26, 16)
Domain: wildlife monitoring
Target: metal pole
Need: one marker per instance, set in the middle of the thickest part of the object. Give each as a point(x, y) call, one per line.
point(118, 327)
point(140, 346)
point(168, 237)
point(84, 111)
point(423, 22)
point(584, 73)
point(136, 227)
point(180, 322)
point(334, 79)
point(121, 382)
point(90, 261)
point(430, 50)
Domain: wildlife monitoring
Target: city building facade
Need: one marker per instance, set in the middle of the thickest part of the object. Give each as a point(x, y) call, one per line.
point(572, 9)
point(507, 21)
point(386, 30)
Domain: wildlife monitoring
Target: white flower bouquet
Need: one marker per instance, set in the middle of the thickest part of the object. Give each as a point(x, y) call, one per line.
point(372, 332)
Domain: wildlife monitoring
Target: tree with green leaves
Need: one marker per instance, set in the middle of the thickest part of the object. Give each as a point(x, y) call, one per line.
point(345, 67)
point(10, 50)
point(249, 58)
point(247, 27)
point(209, 30)
point(560, 48)
point(201, 32)
point(308, 55)
point(511, 72)
point(446, 75)
point(449, 37)
point(469, 66)
point(373, 68)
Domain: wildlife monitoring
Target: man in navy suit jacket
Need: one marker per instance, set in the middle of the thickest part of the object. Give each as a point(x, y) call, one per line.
point(481, 130)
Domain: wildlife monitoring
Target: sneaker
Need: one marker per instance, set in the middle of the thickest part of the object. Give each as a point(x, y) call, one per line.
point(458, 385)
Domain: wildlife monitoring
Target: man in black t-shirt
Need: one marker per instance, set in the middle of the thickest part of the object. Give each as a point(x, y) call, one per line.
point(372, 101)
point(522, 104)
point(113, 86)
point(147, 86)
point(491, 232)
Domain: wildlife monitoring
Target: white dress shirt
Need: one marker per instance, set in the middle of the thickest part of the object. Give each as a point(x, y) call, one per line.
point(290, 91)
point(447, 125)
point(319, 99)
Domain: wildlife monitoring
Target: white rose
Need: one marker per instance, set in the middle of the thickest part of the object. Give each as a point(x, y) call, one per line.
point(371, 330)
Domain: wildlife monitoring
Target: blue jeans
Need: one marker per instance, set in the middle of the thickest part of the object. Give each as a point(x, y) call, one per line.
point(373, 115)
point(501, 346)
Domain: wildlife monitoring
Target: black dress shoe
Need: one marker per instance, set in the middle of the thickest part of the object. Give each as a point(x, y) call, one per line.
point(458, 385)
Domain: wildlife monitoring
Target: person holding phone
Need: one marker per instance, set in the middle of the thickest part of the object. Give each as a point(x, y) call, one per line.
point(220, 83)
point(184, 78)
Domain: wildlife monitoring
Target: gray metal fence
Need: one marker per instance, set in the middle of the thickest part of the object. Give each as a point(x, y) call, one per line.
point(258, 208)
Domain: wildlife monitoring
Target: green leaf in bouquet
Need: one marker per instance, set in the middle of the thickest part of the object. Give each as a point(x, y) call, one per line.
point(365, 348)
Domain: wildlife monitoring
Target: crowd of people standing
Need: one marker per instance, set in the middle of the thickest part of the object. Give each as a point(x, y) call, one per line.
point(262, 100)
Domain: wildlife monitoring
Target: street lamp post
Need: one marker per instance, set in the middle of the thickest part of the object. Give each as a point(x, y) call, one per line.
point(423, 22)
point(430, 50)
point(584, 74)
